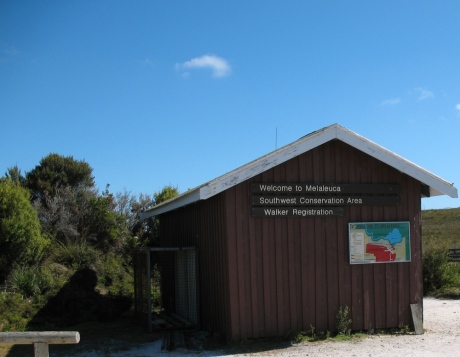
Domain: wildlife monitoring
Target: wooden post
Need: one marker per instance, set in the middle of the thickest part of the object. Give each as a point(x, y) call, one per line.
point(417, 316)
point(41, 349)
point(40, 340)
point(149, 289)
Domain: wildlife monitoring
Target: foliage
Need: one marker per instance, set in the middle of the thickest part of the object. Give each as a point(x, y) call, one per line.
point(440, 232)
point(156, 286)
point(344, 321)
point(55, 172)
point(441, 225)
point(61, 215)
point(83, 270)
point(103, 226)
point(21, 241)
point(115, 277)
point(311, 335)
point(343, 329)
point(438, 273)
point(14, 174)
point(78, 301)
point(131, 207)
point(15, 312)
point(166, 193)
point(405, 329)
point(80, 215)
point(60, 296)
point(74, 255)
point(30, 281)
point(145, 231)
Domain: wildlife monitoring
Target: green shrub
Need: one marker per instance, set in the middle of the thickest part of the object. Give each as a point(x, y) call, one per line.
point(440, 232)
point(438, 273)
point(21, 241)
point(79, 301)
point(156, 287)
point(75, 255)
point(114, 276)
point(15, 312)
point(344, 321)
point(30, 281)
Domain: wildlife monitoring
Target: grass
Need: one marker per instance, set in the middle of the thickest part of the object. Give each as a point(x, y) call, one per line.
point(315, 336)
point(441, 226)
point(440, 231)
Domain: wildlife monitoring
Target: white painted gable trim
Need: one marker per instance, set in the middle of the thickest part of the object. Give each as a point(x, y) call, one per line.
point(437, 185)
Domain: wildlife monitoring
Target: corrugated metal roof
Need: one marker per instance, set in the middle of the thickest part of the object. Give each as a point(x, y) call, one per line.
point(436, 185)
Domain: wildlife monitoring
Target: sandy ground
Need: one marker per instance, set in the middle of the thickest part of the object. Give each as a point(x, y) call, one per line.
point(441, 338)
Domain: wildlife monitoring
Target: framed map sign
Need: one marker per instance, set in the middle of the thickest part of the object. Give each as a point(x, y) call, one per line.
point(379, 242)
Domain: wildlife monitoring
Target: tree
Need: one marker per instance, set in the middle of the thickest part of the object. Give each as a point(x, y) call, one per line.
point(82, 216)
point(166, 193)
point(145, 231)
point(103, 226)
point(15, 175)
point(130, 207)
point(55, 172)
point(141, 230)
point(61, 215)
point(21, 241)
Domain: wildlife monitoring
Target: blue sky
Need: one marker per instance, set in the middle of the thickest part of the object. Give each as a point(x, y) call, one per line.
point(151, 93)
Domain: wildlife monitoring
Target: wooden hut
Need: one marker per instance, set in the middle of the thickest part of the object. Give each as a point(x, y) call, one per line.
point(328, 221)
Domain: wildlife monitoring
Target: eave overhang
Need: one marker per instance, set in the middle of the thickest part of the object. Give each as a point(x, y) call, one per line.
point(432, 185)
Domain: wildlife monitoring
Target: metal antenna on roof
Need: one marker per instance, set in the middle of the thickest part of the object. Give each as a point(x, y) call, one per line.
point(276, 139)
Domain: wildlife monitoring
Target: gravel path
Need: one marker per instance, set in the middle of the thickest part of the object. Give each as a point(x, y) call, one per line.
point(441, 338)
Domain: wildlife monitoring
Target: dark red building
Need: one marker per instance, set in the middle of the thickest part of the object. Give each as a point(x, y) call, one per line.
point(331, 220)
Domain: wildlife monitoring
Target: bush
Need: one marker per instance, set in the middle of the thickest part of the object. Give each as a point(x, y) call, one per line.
point(30, 281)
point(156, 287)
point(344, 321)
point(79, 301)
point(115, 277)
point(75, 255)
point(15, 312)
point(21, 241)
point(438, 273)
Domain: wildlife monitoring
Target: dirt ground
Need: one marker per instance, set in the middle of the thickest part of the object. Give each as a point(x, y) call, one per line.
point(123, 338)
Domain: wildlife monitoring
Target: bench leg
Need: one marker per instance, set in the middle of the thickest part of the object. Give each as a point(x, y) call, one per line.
point(41, 349)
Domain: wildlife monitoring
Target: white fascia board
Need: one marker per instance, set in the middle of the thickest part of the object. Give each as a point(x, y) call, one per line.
point(437, 185)
point(177, 202)
point(267, 162)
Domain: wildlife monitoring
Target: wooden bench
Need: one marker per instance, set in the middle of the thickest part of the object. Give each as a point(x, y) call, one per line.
point(40, 340)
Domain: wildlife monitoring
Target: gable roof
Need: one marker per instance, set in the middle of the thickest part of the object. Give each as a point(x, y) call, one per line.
point(435, 186)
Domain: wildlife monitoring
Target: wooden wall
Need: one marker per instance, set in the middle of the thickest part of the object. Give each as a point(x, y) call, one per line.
point(262, 277)
point(287, 274)
point(202, 225)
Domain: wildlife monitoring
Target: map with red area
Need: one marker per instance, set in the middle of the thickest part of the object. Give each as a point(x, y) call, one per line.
point(381, 252)
point(379, 242)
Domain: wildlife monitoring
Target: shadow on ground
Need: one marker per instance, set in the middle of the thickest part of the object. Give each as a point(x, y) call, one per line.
point(107, 327)
point(77, 304)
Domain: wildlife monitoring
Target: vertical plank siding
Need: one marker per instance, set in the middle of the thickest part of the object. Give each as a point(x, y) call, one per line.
point(298, 268)
point(266, 276)
point(203, 226)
